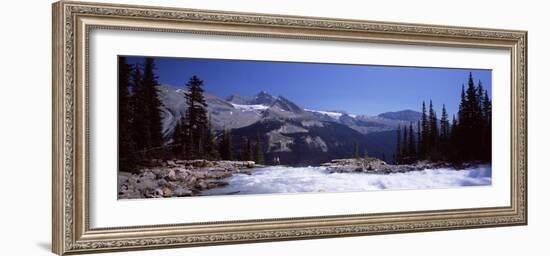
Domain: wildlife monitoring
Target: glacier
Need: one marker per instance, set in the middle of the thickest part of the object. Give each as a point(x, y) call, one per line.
point(280, 179)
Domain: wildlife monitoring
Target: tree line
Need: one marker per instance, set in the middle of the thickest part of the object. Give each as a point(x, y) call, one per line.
point(140, 123)
point(139, 113)
point(467, 137)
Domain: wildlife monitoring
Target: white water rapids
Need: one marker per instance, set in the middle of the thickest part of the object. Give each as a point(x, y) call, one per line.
point(279, 179)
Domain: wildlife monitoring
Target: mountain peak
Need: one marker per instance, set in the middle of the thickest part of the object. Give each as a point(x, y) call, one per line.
point(287, 105)
point(404, 115)
point(238, 99)
point(264, 98)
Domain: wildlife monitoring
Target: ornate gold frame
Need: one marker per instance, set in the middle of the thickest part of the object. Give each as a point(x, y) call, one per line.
point(72, 21)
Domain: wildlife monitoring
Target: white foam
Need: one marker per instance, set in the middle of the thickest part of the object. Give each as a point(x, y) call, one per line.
point(316, 179)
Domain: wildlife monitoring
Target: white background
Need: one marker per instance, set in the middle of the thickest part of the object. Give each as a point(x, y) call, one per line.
point(107, 211)
point(25, 101)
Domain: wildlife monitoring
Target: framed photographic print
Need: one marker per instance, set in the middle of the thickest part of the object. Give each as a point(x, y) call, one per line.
point(179, 127)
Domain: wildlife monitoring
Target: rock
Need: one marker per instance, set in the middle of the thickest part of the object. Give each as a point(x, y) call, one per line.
point(171, 163)
point(171, 184)
point(219, 174)
point(200, 174)
point(211, 183)
point(168, 178)
point(180, 191)
point(166, 192)
point(201, 185)
point(191, 179)
point(171, 176)
point(162, 182)
point(159, 192)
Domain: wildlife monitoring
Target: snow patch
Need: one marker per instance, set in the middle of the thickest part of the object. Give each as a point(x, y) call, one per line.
point(332, 114)
point(249, 107)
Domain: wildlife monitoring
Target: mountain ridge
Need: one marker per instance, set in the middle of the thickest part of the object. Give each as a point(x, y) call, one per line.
point(291, 133)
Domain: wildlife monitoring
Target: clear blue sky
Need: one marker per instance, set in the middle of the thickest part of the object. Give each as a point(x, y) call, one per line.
point(357, 89)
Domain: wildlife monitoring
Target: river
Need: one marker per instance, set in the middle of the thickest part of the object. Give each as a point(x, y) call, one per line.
point(281, 179)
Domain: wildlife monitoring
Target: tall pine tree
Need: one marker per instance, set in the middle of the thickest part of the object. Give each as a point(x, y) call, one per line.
point(126, 146)
point(398, 149)
point(210, 150)
point(412, 144)
point(487, 134)
point(445, 133)
point(140, 111)
point(433, 134)
point(150, 85)
point(246, 151)
point(405, 145)
point(178, 138)
point(356, 153)
point(226, 145)
point(424, 138)
point(454, 141)
point(258, 151)
point(146, 112)
point(200, 141)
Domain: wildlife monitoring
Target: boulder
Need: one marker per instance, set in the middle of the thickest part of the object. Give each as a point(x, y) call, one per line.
point(166, 192)
point(181, 191)
point(172, 176)
point(171, 163)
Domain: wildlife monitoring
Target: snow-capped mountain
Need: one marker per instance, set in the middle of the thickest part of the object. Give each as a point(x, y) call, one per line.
point(288, 131)
point(405, 115)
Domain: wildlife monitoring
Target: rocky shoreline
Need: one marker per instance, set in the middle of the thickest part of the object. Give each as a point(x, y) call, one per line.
point(377, 166)
point(181, 178)
point(178, 178)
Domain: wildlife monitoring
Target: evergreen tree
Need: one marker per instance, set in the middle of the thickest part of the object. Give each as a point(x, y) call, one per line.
point(486, 108)
point(487, 133)
point(356, 150)
point(453, 149)
point(412, 144)
point(433, 134)
point(459, 131)
point(153, 102)
point(398, 149)
point(178, 138)
point(140, 111)
point(445, 132)
point(210, 151)
point(258, 151)
point(470, 125)
point(472, 130)
point(445, 129)
point(479, 94)
point(405, 145)
point(424, 133)
point(200, 139)
point(225, 145)
point(247, 153)
point(126, 146)
point(418, 138)
point(146, 113)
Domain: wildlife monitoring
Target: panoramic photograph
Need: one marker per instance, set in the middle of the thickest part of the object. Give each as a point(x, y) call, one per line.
point(212, 127)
